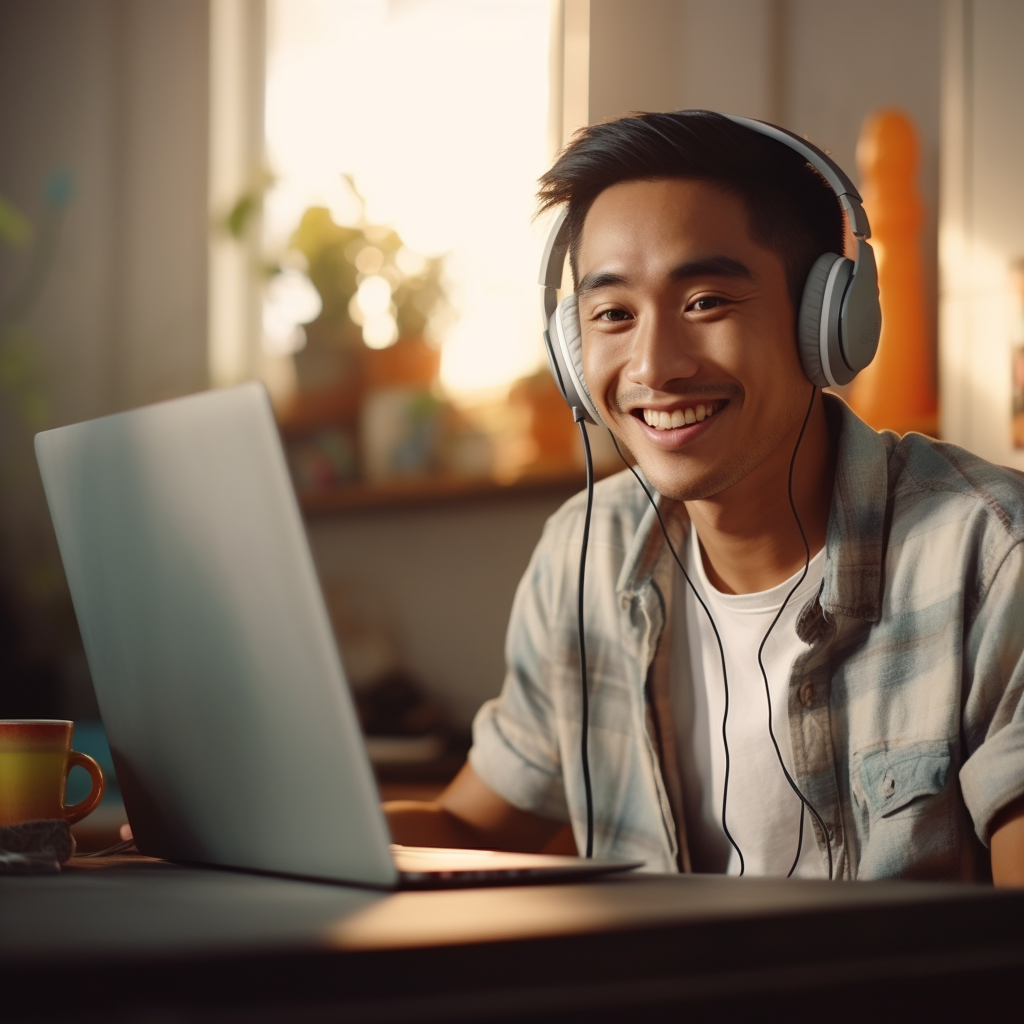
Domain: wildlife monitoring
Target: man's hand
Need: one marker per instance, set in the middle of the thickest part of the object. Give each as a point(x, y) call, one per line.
point(468, 814)
point(1007, 845)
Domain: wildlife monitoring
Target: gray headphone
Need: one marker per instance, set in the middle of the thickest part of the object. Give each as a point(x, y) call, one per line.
point(839, 319)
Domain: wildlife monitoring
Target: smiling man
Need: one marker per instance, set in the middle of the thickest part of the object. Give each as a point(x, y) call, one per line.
point(809, 658)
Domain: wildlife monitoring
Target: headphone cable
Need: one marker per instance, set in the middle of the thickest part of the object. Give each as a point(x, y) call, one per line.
point(585, 696)
point(805, 803)
point(721, 649)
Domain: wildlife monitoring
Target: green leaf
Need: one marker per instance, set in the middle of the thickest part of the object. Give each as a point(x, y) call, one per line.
point(14, 226)
point(241, 213)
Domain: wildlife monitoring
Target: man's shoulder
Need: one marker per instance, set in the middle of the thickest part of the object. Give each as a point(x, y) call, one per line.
point(620, 505)
point(930, 475)
point(618, 549)
point(915, 481)
point(620, 525)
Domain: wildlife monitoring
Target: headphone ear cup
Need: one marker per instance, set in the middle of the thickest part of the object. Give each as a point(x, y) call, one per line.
point(556, 360)
point(818, 321)
point(564, 342)
point(569, 312)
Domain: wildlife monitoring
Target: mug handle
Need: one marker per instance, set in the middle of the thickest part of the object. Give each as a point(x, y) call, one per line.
point(99, 784)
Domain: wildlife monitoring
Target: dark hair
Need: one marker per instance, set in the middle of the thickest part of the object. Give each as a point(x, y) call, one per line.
point(793, 212)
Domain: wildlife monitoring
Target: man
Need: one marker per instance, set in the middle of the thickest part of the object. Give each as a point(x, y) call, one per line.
point(840, 689)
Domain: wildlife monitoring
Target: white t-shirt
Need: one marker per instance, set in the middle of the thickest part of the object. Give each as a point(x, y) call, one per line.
point(763, 813)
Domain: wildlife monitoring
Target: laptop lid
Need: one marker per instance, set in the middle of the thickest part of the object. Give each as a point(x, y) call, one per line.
point(232, 730)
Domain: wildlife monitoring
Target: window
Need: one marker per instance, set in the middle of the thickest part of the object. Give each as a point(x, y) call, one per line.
point(438, 111)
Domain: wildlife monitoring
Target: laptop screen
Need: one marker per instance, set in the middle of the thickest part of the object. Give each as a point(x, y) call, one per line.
point(231, 727)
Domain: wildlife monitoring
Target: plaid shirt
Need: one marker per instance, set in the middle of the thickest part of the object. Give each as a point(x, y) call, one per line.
point(906, 710)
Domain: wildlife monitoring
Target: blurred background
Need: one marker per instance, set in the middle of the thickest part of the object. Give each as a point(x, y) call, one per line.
point(336, 197)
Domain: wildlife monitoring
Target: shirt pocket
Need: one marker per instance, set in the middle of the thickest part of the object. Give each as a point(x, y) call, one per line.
point(906, 821)
point(896, 779)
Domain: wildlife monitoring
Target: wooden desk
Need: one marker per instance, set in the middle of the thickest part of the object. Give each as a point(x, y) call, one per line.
point(138, 939)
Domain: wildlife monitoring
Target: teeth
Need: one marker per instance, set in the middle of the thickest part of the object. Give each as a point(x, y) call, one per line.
point(679, 417)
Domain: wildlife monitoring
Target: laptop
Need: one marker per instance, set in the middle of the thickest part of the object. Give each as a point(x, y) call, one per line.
point(222, 693)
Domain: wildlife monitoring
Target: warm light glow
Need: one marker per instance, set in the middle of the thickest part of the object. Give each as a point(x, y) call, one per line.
point(374, 296)
point(289, 301)
point(438, 109)
point(380, 331)
point(978, 311)
point(369, 260)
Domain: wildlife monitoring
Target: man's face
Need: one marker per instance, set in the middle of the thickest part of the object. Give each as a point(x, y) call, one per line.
point(688, 343)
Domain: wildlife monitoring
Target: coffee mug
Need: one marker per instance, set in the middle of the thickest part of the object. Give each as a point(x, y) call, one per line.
point(35, 758)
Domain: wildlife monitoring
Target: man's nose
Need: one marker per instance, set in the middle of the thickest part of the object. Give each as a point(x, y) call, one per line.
point(661, 352)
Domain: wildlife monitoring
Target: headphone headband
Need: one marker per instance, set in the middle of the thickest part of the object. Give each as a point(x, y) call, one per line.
point(845, 190)
point(552, 263)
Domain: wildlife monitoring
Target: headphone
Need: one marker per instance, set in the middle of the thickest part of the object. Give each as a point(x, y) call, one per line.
point(839, 320)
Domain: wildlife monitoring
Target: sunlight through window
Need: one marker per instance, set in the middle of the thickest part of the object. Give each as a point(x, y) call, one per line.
point(438, 110)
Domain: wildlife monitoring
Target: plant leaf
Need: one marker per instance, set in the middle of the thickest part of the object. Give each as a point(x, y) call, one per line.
point(14, 225)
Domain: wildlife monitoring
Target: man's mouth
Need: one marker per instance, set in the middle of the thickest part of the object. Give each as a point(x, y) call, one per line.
point(684, 417)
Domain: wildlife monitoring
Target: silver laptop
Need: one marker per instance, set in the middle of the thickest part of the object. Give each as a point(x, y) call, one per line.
point(232, 729)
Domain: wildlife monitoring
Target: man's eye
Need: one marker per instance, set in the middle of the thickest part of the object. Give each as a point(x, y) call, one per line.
point(613, 315)
point(707, 302)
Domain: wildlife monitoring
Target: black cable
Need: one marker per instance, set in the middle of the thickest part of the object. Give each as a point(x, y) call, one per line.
point(721, 649)
point(764, 640)
point(805, 803)
point(584, 755)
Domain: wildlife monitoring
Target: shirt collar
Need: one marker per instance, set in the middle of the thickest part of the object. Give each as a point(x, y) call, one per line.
point(643, 558)
point(855, 541)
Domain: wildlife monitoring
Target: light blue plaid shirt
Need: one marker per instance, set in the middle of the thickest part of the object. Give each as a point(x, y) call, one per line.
point(906, 710)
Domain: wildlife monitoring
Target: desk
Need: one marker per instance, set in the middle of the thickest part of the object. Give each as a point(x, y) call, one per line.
point(152, 941)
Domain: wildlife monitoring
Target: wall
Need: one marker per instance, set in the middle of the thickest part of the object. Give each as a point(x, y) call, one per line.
point(815, 67)
point(111, 94)
point(982, 306)
point(440, 582)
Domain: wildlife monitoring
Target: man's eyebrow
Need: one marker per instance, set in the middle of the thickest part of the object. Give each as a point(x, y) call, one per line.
point(598, 279)
point(706, 266)
point(712, 266)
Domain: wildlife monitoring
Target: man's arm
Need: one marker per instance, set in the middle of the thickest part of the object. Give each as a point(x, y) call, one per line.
point(1007, 845)
point(468, 814)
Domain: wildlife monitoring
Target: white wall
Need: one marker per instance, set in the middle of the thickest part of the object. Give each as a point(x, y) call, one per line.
point(983, 223)
point(114, 93)
point(440, 581)
point(817, 67)
point(844, 61)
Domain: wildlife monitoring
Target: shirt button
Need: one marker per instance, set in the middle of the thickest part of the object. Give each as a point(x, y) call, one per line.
point(807, 695)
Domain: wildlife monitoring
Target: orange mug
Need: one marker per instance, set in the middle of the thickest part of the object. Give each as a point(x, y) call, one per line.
point(35, 758)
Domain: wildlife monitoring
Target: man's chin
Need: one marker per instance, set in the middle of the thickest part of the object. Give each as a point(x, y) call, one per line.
point(674, 476)
point(683, 483)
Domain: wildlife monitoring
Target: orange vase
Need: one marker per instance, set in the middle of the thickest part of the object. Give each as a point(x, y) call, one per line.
point(897, 391)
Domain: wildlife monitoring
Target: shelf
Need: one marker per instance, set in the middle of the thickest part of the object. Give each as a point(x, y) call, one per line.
point(429, 491)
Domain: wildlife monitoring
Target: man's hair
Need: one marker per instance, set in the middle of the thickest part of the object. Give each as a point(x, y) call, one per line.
point(792, 210)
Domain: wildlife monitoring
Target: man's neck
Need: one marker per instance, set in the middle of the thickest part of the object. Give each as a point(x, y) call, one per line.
point(749, 537)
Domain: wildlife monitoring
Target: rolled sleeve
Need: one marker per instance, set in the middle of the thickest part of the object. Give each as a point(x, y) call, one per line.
point(993, 777)
point(498, 757)
point(993, 774)
point(515, 736)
